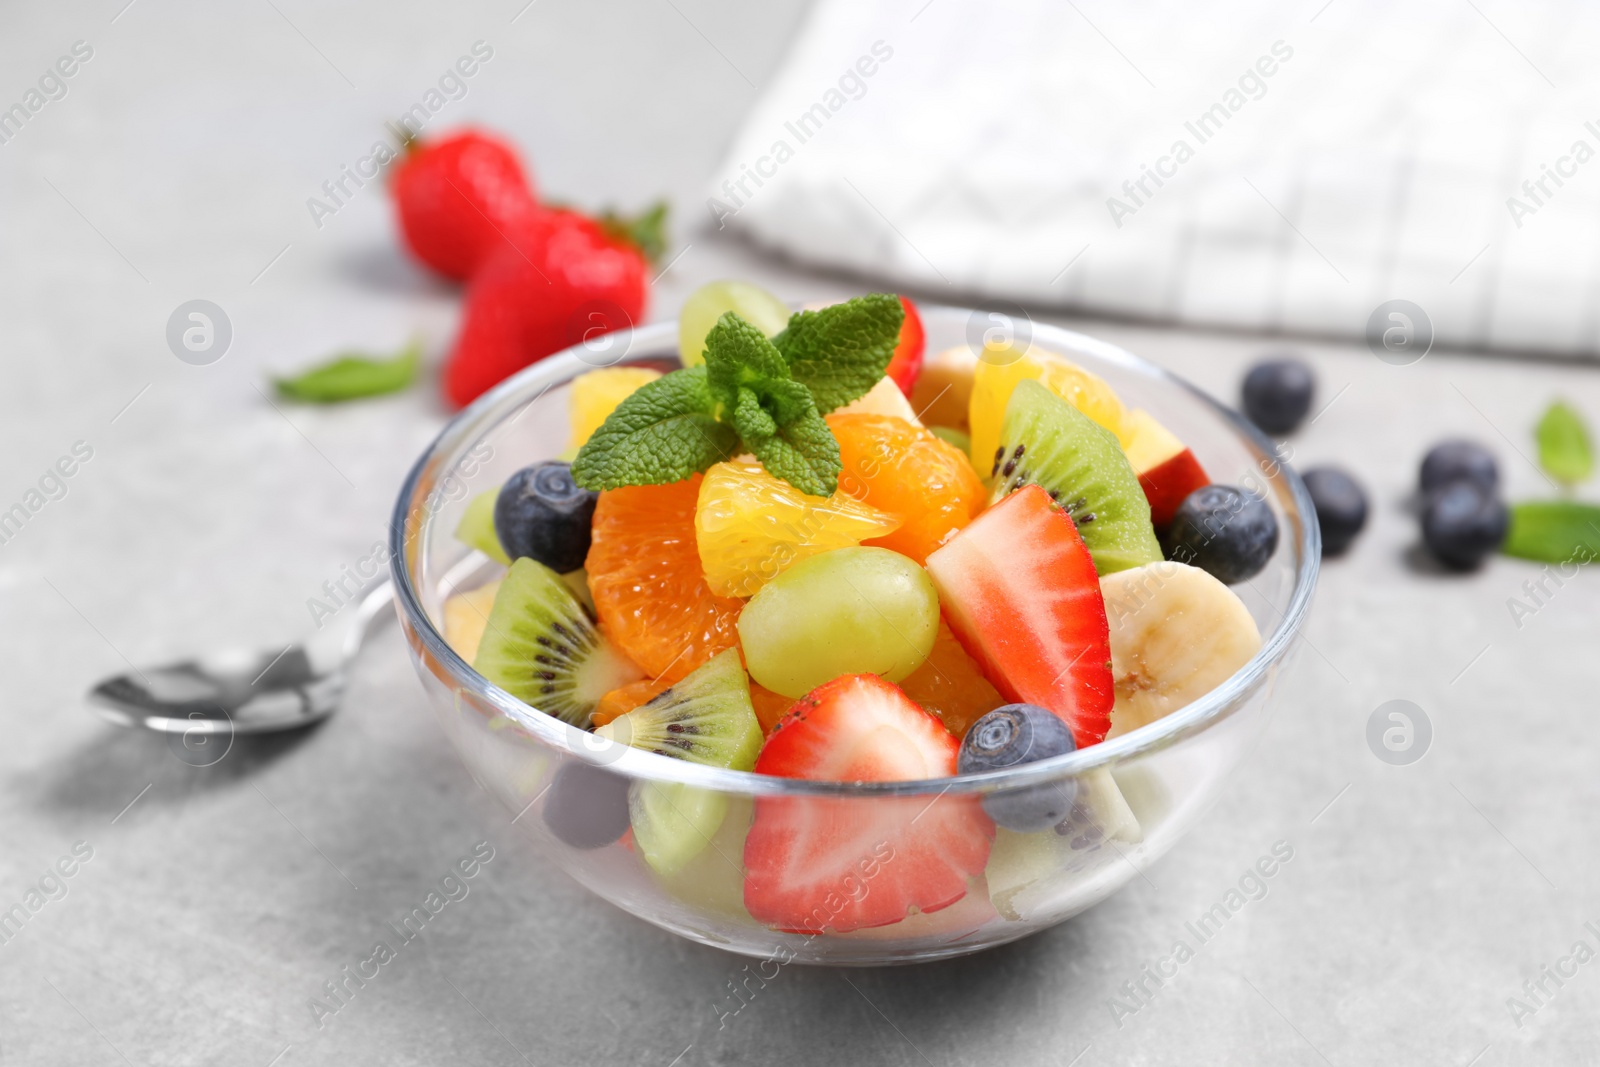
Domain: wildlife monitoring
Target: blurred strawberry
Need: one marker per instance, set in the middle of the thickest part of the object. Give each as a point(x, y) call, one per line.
point(559, 280)
point(457, 195)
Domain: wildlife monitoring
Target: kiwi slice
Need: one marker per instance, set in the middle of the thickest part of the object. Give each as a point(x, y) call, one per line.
point(706, 718)
point(476, 528)
point(540, 646)
point(1046, 441)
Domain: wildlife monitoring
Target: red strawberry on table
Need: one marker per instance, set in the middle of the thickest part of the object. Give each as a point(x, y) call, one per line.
point(906, 363)
point(1019, 591)
point(558, 280)
point(849, 863)
point(455, 197)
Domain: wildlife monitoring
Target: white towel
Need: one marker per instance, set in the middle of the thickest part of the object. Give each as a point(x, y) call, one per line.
point(1320, 159)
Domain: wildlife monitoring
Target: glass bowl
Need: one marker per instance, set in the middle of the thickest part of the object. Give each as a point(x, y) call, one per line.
point(1136, 794)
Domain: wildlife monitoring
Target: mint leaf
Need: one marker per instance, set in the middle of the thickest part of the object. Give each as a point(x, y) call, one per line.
point(738, 354)
point(1556, 531)
point(663, 432)
point(353, 376)
point(750, 418)
point(1564, 449)
point(840, 352)
point(803, 453)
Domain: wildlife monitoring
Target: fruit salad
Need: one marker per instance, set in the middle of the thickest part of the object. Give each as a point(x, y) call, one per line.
point(774, 561)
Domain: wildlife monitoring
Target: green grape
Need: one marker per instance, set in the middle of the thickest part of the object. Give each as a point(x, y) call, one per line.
point(848, 611)
point(708, 303)
point(477, 527)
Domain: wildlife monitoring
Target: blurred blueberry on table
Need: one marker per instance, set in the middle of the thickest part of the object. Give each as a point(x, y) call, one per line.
point(1277, 394)
point(1462, 523)
point(587, 806)
point(1341, 507)
point(1012, 735)
point(1227, 533)
point(1459, 461)
point(542, 513)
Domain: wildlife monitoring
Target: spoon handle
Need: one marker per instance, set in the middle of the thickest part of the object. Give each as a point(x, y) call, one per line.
point(369, 615)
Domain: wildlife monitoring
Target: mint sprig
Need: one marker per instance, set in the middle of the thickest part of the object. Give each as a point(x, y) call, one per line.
point(840, 352)
point(1564, 449)
point(765, 397)
point(663, 432)
point(1554, 531)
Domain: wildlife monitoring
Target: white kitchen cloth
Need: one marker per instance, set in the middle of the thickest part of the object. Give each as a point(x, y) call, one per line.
point(1282, 167)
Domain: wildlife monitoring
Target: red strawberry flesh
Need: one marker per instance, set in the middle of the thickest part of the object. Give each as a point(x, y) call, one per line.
point(1019, 591)
point(849, 863)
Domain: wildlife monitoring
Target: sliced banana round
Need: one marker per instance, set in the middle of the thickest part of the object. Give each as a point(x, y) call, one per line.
point(1176, 634)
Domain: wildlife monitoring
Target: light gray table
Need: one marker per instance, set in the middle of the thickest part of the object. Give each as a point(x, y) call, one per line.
point(216, 903)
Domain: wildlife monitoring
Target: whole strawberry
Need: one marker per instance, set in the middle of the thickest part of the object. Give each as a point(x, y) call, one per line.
point(456, 196)
point(558, 280)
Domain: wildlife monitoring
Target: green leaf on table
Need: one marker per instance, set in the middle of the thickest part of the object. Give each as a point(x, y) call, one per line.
point(842, 351)
point(665, 431)
point(352, 376)
point(1564, 448)
point(1554, 531)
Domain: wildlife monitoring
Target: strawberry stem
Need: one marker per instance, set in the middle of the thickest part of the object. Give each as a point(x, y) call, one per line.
point(646, 231)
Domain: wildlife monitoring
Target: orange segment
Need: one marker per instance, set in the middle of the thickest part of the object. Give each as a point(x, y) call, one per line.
point(649, 590)
point(908, 472)
point(769, 706)
point(750, 526)
point(996, 377)
point(625, 698)
point(950, 685)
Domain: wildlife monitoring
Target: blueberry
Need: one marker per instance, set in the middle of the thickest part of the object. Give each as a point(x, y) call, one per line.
point(1463, 523)
point(1277, 394)
point(1341, 507)
point(1459, 461)
point(1223, 532)
point(1006, 737)
point(542, 513)
point(587, 806)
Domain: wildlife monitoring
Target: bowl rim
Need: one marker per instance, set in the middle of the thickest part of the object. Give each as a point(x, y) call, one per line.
point(410, 524)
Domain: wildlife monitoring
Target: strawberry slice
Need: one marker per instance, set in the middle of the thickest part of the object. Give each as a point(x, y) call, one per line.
point(1019, 590)
point(849, 863)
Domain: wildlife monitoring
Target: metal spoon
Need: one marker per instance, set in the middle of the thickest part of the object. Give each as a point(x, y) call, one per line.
point(243, 691)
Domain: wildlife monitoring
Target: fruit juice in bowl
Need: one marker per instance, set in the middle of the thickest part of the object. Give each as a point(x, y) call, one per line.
point(754, 654)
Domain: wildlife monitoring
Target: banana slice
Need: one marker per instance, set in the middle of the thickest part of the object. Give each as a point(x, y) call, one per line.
point(1176, 634)
point(885, 398)
point(465, 617)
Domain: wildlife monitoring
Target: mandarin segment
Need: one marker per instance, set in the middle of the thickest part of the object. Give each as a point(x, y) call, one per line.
point(649, 591)
point(951, 685)
point(770, 707)
point(750, 526)
point(624, 699)
point(908, 472)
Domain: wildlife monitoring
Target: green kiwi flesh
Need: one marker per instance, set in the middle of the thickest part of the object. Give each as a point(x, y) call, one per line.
point(706, 718)
point(1046, 441)
point(540, 646)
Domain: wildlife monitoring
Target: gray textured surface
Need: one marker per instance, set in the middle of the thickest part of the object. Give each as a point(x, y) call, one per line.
point(219, 902)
